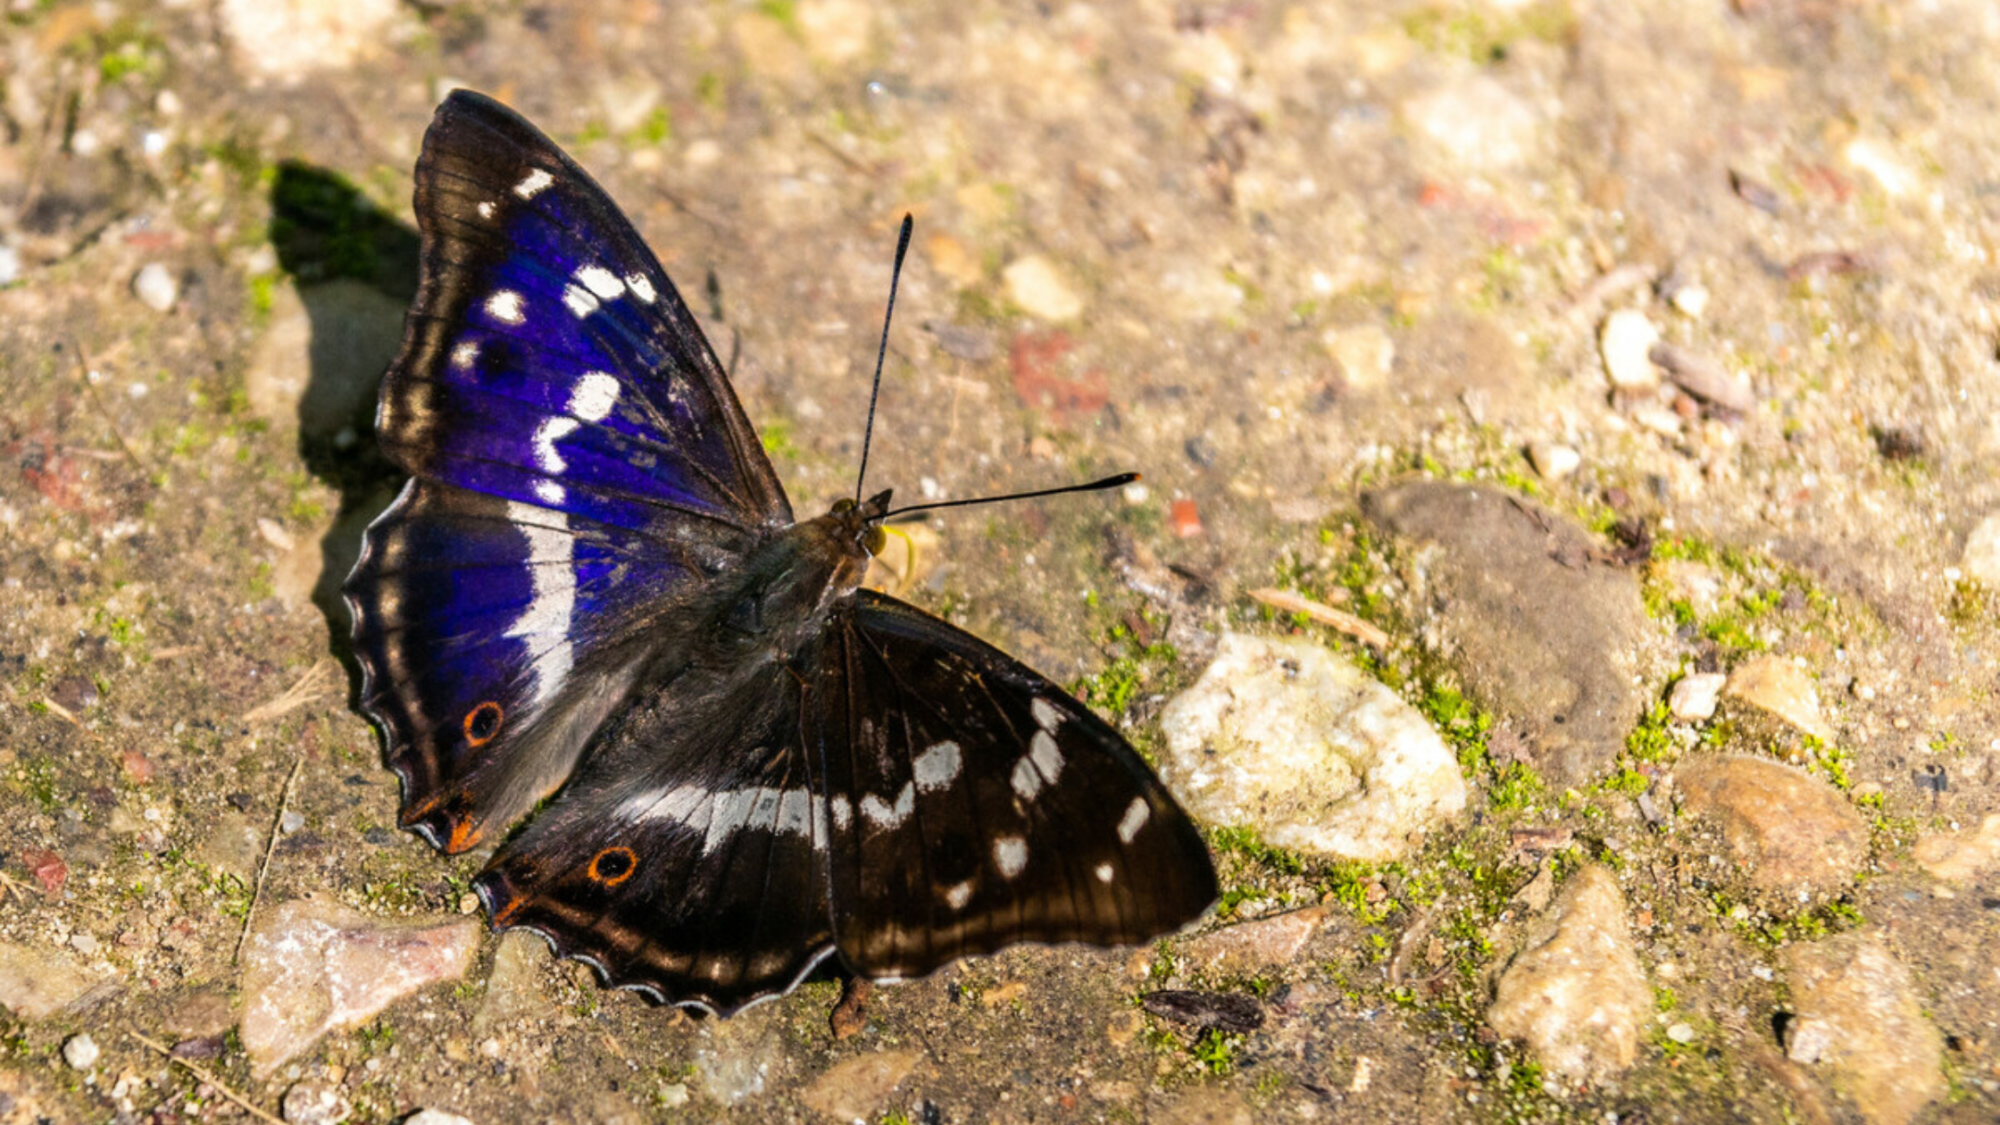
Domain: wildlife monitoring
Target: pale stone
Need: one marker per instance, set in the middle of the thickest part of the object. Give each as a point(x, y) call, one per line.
point(514, 986)
point(1576, 995)
point(1690, 301)
point(234, 847)
point(1624, 342)
point(1252, 947)
point(1956, 857)
point(1365, 354)
point(156, 287)
point(1477, 122)
point(313, 965)
point(1034, 283)
point(1695, 695)
point(1774, 684)
point(36, 982)
point(1793, 832)
point(1284, 736)
point(1882, 163)
point(286, 38)
point(80, 1051)
point(315, 1103)
point(854, 1090)
point(836, 31)
point(1553, 459)
point(1981, 560)
point(1857, 1012)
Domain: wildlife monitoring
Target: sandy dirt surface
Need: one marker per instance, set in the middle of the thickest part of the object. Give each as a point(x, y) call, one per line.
point(1703, 292)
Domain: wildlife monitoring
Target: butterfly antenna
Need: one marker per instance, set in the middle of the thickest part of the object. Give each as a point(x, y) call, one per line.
point(881, 353)
point(1093, 486)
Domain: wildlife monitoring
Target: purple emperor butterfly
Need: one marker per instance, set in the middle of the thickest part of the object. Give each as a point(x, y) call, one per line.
point(592, 592)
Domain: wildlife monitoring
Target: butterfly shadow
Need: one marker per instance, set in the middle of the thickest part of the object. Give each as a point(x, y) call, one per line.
point(355, 271)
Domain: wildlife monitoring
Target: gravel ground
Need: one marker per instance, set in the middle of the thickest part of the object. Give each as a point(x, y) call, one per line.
point(1701, 295)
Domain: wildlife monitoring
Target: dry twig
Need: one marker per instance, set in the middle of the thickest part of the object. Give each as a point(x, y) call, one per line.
point(264, 868)
point(1288, 602)
point(295, 697)
point(208, 1076)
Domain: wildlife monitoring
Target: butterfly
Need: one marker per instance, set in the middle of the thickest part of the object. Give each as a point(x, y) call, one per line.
point(591, 602)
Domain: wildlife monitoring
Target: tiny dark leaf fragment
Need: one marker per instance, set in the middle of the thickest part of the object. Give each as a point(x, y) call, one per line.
point(1755, 193)
point(1222, 1011)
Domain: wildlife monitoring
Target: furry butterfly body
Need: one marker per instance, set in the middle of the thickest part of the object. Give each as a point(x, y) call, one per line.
point(593, 592)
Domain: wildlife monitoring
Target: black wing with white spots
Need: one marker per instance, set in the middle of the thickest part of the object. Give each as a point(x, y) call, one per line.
point(686, 859)
point(973, 805)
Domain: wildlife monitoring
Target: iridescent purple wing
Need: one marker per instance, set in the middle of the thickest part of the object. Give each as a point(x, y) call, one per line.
point(581, 468)
point(548, 359)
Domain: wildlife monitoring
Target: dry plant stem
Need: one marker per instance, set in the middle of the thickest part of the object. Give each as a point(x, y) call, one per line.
point(264, 868)
point(295, 697)
point(209, 1077)
point(1324, 614)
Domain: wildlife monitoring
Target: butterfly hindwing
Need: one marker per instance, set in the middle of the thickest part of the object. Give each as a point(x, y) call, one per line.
point(473, 616)
point(974, 805)
point(547, 357)
point(687, 858)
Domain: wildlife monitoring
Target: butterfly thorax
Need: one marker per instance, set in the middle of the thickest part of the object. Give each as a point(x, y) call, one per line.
point(778, 599)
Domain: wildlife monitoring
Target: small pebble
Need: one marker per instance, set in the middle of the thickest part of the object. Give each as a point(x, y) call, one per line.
point(1691, 301)
point(80, 1051)
point(83, 943)
point(10, 265)
point(1038, 288)
point(155, 286)
point(1626, 338)
point(291, 822)
point(315, 1103)
point(1681, 1033)
point(1184, 518)
point(1553, 459)
point(1694, 696)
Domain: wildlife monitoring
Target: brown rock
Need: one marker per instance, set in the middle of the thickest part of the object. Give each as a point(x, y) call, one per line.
point(1252, 946)
point(36, 983)
point(1776, 685)
point(1955, 857)
point(1857, 1012)
point(1543, 634)
point(855, 1089)
point(1793, 831)
point(313, 965)
point(1575, 995)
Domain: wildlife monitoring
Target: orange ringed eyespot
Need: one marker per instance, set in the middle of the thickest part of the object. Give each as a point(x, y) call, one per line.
point(482, 723)
point(613, 866)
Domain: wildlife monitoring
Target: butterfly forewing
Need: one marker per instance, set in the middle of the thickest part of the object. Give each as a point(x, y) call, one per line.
point(548, 359)
point(974, 805)
point(687, 858)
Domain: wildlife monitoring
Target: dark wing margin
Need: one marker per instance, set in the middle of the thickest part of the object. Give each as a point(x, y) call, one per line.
point(686, 860)
point(547, 357)
point(974, 805)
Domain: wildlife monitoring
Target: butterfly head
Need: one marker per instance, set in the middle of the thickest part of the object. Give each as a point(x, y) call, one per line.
point(863, 521)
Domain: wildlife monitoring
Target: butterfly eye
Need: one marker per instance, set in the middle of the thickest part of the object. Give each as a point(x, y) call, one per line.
point(613, 866)
point(482, 723)
point(875, 539)
point(843, 506)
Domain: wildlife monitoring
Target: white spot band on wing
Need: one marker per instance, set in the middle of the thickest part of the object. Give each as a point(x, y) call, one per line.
point(1136, 815)
point(1010, 855)
point(936, 767)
